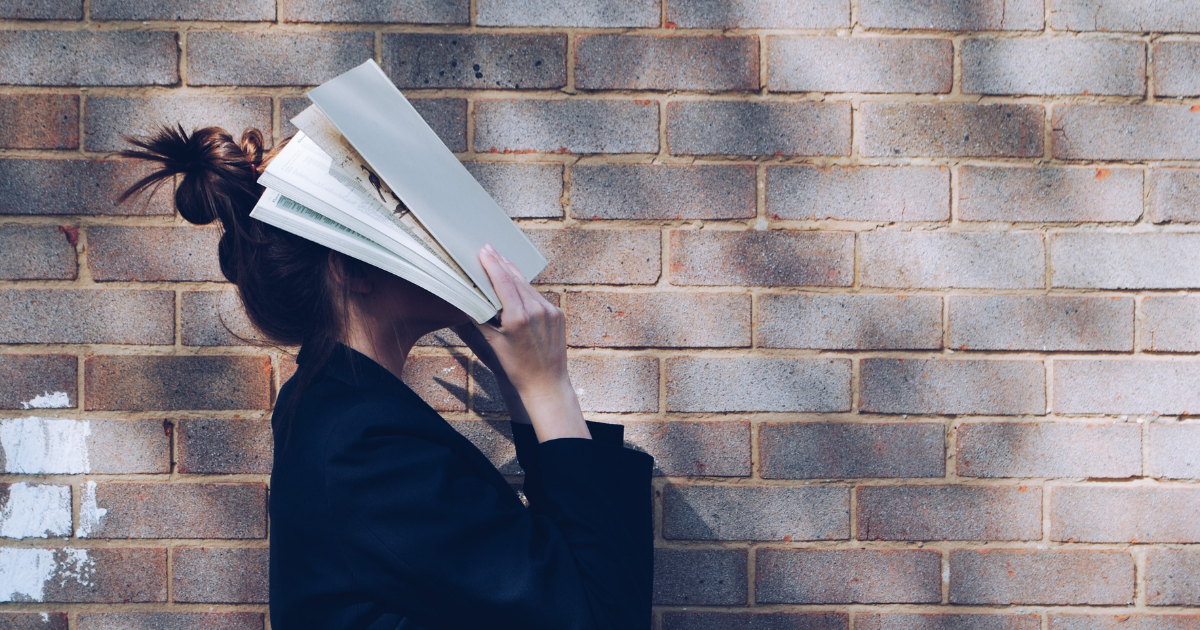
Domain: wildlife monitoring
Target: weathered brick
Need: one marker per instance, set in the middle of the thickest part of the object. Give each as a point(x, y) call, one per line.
point(953, 15)
point(274, 58)
point(524, 191)
point(615, 384)
point(936, 386)
point(849, 322)
point(757, 384)
point(599, 256)
point(35, 510)
point(1125, 514)
point(771, 259)
point(742, 513)
point(566, 126)
point(107, 119)
point(1126, 132)
point(219, 576)
point(214, 318)
point(944, 260)
point(38, 252)
point(694, 449)
point(1172, 195)
point(32, 381)
point(81, 316)
point(224, 446)
point(39, 121)
point(89, 58)
point(33, 621)
point(494, 439)
point(446, 116)
point(1177, 65)
point(1043, 323)
point(177, 382)
point(1129, 15)
point(851, 450)
point(1171, 323)
point(1050, 195)
point(209, 10)
point(688, 620)
point(1173, 449)
point(938, 621)
point(1125, 386)
point(859, 193)
point(463, 60)
point(755, 128)
point(697, 577)
point(859, 64)
point(952, 130)
point(653, 62)
point(180, 510)
point(1125, 261)
point(663, 191)
point(1011, 576)
point(1124, 622)
point(95, 446)
point(42, 10)
point(153, 254)
point(387, 11)
point(858, 576)
point(675, 320)
point(949, 513)
point(120, 575)
point(585, 13)
point(170, 621)
point(440, 381)
point(78, 187)
point(1173, 577)
point(1054, 66)
point(1048, 449)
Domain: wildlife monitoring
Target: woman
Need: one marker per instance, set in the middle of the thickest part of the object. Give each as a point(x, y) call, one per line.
point(382, 515)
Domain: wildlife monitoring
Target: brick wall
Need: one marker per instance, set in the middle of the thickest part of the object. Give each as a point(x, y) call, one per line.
point(896, 292)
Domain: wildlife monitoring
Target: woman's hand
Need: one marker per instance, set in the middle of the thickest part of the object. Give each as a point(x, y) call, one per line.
point(530, 346)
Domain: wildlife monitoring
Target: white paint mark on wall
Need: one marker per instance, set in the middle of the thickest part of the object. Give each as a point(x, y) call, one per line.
point(24, 573)
point(89, 513)
point(76, 565)
point(36, 511)
point(45, 446)
point(47, 400)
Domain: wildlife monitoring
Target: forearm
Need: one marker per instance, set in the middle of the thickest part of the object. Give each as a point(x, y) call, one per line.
point(553, 409)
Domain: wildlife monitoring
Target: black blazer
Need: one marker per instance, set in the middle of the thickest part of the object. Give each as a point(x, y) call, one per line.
point(384, 516)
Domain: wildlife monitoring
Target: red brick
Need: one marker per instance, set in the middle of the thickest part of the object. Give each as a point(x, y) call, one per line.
point(1177, 65)
point(654, 62)
point(757, 14)
point(465, 60)
point(615, 384)
point(33, 621)
point(857, 576)
point(274, 57)
point(1125, 387)
point(39, 121)
point(858, 193)
point(524, 191)
point(696, 512)
point(947, 387)
point(1041, 323)
point(1173, 577)
point(34, 510)
point(107, 119)
point(486, 398)
point(944, 260)
point(1011, 576)
point(1125, 261)
point(694, 449)
point(1126, 132)
point(81, 316)
point(859, 64)
point(677, 320)
point(1171, 323)
point(698, 577)
point(687, 620)
point(949, 513)
point(757, 384)
point(115, 575)
point(170, 621)
point(953, 15)
point(78, 187)
point(849, 322)
point(153, 254)
point(1050, 195)
point(440, 381)
point(215, 318)
point(599, 256)
point(1124, 622)
point(494, 439)
point(1125, 514)
point(206, 10)
point(38, 252)
point(389, 11)
point(177, 382)
point(1059, 65)
point(663, 191)
point(108, 446)
point(952, 130)
point(219, 576)
point(1173, 449)
point(944, 621)
point(1172, 191)
point(1132, 15)
point(181, 510)
point(42, 10)
point(89, 58)
point(776, 258)
point(1049, 449)
point(566, 126)
point(224, 446)
point(25, 377)
point(758, 128)
point(585, 13)
point(851, 450)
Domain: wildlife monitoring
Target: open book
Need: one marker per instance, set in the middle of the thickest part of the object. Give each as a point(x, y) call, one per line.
point(367, 177)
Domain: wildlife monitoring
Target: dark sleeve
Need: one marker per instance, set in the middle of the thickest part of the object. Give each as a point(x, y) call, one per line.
point(529, 455)
point(423, 529)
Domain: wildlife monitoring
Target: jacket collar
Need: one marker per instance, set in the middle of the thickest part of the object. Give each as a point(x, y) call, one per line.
point(349, 366)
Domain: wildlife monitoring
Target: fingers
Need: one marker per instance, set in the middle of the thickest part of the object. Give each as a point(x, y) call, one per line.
point(507, 287)
point(530, 295)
